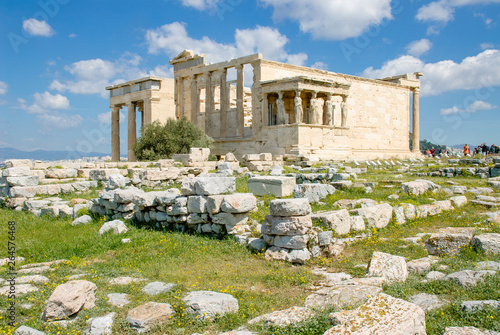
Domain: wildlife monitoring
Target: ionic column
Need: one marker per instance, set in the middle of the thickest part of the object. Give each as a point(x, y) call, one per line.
point(195, 100)
point(240, 92)
point(416, 120)
point(343, 108)
point(209, 103)
point(224, 103)
point(298, 110)
point(115, 133)
point(257, 120)
point(132, 131)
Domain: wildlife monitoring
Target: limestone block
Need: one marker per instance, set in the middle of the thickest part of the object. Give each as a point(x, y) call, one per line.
point(151, 314)
point(426, 301)
point(449, 240)
point(214, 203)
point(257, 245)
point(171, 173)
point(357, 223)
point(251, 157)
point(165, 198)
point(399, 215)
point(313, 192)
point(68, 299)
point(24, 330)
point(298, 256)
point(21, 171)
point(61, 173)
point(468, 278)
point(418, 187)
point(421, 265)
point(287, 225)
point(489, 243)
point(289, 207)
point(197, 204)
point(208, 305)
point(341, 296)
point(126, 196)
point(392, 268)
point(465, 331)
point(157, 287)
point(102, 174)
point(382, 314)
point(117, 226)
point(286, 317)
point(276, 253)
point(215, 185)
point(276, 185)
point(459, 201)
point(292, 242)
point(229, 220)
point(9, 163)
point(239, 203)
point(22, 181)
point(339, 221)
point(377, 216)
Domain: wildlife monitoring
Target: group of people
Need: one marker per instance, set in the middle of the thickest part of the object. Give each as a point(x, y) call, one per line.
point(482, 149)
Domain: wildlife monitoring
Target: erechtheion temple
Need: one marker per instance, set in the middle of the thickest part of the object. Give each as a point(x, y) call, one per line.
point(287, 109)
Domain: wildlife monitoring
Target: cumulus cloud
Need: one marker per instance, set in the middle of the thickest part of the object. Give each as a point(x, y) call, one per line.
point(36, 27)
point(418, 48)
point(334, 19)
point(471, 73)
point(440, 12)
point(3, 87)
point(476, 106)
point(320, 66)
point(200, 4)
point(46, 107)
point(93, 75)
point(485, 46)
point(173, 38)
point(106, 117)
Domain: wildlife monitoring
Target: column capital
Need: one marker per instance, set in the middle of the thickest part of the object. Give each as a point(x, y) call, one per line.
point(238, 66)
point(416, 90)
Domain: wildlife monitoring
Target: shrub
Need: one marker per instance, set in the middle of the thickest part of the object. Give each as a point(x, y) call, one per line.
point(159, 141)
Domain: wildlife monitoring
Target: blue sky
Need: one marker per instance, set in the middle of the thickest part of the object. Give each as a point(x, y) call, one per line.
point(56, 56)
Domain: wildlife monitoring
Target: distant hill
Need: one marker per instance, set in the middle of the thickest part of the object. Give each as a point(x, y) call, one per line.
point(45, 155)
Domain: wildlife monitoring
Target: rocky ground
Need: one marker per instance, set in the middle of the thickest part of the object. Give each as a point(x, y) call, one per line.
point(392, 247)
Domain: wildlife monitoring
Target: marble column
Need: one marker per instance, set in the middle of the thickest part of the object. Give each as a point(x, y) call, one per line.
point(343, 109)
point(115, 133)
point(240, 94)
point(132, 131)
point(224, 103)
point(416, 120)
point(195, 100)
point(267, 117)
point(257, 120)
point(298, 110)
point(209, 103)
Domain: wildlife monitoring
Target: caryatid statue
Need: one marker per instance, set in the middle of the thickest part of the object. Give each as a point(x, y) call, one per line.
point(281, 109)
point(316, 115)
point(298, 108)
point(343, 107)
point(328, 116)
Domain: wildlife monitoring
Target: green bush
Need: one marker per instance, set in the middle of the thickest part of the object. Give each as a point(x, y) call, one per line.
point(159, 141)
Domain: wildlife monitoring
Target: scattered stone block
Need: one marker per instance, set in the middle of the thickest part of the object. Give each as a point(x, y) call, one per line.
point(277, 186)
point(382, 314)
point(117, 226)
point(339, 221)
point(24, 330)
point(489, 243)
point(286, 317)
point(426, 301)
point(286, 225)
point(449, 240)
point(101, 326)
point(207, 305)
point(151, 314)
point(239, 203)
point(289, 207)
point(467, 278)
point(157, 287)
point(392, 268)
point(313, 192)
point(477, 305)
point(341, 296)
point(377, 216)
point(298, 256)
point(68, 299)
point(82, 220)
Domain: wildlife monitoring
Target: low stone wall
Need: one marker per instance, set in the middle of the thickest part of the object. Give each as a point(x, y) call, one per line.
point(200, 206)
point(450, 172)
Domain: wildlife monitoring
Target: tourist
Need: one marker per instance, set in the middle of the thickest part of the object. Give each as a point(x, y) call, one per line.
point(466, 149)
point(428, 152)
point(433, 152)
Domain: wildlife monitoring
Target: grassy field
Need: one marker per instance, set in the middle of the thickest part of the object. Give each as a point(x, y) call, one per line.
point(196, 262)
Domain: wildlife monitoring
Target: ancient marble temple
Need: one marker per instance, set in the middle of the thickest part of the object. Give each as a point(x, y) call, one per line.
point(253, 105)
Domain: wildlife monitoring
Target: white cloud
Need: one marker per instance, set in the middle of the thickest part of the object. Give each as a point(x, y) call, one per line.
point(106, 117)
point(38, 28)
point(418, 48)
point(474, 107)
point(173, 38)
point(93, 75)
point(3, 87)
point(440, 12)
point(485, 46)
point(200, 4)
point(72, 35)
point(472, 73)
point(333, 19)
point(320, 66)
point(58, 120)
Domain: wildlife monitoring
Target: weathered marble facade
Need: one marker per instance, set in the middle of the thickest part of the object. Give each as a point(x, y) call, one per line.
point(288, 109)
